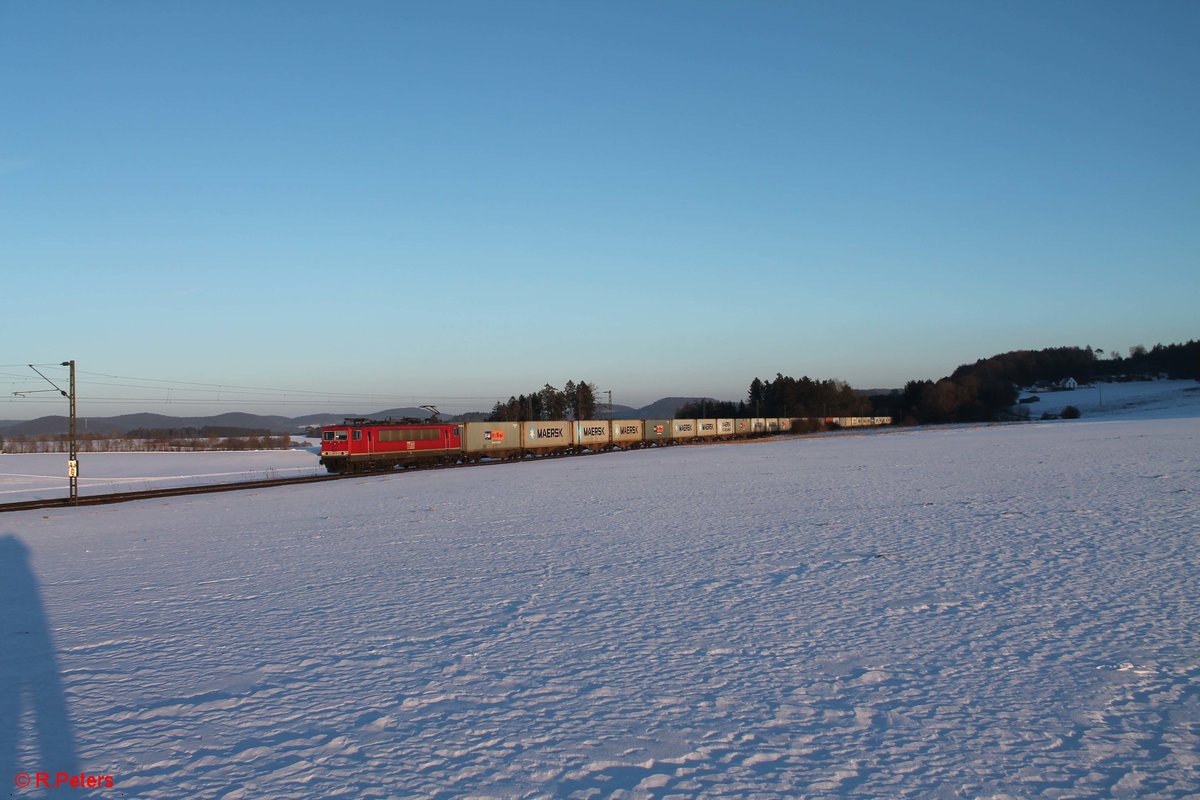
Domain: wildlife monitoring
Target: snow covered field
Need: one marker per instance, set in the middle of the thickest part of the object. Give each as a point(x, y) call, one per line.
point(992, 612)
point(36, 476)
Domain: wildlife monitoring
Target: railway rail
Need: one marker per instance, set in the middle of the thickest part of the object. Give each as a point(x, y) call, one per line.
point(149, 494)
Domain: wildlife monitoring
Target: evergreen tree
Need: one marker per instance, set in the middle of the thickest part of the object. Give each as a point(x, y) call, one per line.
point(570, 394)
point(755, 397)
point(586, 403)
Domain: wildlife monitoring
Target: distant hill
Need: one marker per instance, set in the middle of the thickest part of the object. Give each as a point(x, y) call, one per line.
point(665, 408)
point(52, 426)
point(115, 426)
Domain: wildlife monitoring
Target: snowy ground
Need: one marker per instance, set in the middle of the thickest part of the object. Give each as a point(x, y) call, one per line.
point(993, 612)
point(36, 476)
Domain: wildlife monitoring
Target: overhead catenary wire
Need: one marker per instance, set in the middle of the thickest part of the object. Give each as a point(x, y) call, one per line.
point(27, 364)
point(98, 389)
point(237, 388)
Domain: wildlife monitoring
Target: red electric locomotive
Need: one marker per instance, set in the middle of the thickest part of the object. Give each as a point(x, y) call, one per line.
point(361, 445)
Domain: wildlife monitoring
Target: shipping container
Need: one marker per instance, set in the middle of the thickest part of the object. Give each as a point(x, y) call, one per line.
point(594, 434)
point(548, 437)
point(726, 427)
point(683, 429)
point(658, 431)
point(492, 438)
point(706, 429)
point(627, 433)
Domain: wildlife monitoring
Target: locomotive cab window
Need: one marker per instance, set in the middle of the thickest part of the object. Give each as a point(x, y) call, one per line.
point(334, 436)
point(358, 436)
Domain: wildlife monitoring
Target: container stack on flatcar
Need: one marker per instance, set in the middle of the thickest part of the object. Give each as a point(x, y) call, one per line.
point(360, 445)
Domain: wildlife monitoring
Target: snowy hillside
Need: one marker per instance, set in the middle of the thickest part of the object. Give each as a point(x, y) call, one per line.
point(989, 612)
point(1138, 400)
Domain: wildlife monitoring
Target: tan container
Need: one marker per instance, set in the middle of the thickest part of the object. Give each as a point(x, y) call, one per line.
point(683, 429)
point(594, 434)
point(548, 437)
point(628, 433)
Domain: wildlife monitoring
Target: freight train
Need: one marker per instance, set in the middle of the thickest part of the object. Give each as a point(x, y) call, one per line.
point(361, 445)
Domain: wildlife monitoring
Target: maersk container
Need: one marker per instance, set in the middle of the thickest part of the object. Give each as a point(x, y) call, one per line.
point(706, 429)
point(628, 433)
point(658, 431)
point(594, 434)
point(683, 429)
point(726, 427)
point(772, 424)
point(547, 437)
point(497, 438)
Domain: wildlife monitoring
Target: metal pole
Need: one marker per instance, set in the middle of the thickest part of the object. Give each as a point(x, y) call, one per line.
point(73, 461)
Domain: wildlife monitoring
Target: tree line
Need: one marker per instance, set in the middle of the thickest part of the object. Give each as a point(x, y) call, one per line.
point(130, 443)
point(784, 396)
point(1028, 368)
point(1177, 361)
point(573, 401)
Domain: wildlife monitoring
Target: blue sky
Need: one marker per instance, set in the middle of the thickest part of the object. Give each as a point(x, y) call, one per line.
point(455, 202)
